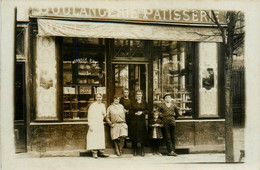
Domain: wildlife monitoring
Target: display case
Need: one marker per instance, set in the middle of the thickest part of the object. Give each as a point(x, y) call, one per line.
point(83, 77)
point(172, 73)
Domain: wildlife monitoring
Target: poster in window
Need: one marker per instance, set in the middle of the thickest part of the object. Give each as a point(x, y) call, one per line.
point(208, 79)
point(101, 90)
point(45, 80)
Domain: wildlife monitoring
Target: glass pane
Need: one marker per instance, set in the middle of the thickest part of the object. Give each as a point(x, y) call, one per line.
point(83, 75)
point(20, 41)
point(128, 48)
point(132, 77)
point(121, 78)
point(172, 73)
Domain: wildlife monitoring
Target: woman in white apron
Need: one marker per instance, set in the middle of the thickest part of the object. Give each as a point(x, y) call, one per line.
point(96, 135)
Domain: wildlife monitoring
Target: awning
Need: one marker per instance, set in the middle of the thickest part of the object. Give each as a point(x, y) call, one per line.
point(47, 27)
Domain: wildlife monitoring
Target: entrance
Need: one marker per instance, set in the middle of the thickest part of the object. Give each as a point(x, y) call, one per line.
point(20, 108)
point(131, 76)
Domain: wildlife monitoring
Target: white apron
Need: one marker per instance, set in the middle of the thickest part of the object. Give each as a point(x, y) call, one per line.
point(96, 138)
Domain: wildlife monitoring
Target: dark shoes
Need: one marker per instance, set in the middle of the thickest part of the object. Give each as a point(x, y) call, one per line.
point(142, 152)
point(118, 153)
point(172, 154)
point(134, 152)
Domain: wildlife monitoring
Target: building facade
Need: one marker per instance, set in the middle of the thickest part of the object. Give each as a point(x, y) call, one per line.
point(65, 55)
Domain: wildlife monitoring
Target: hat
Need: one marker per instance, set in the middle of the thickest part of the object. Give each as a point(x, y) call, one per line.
point(166, 94)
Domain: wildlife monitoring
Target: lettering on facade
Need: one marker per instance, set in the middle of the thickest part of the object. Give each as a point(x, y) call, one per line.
point(160, 15)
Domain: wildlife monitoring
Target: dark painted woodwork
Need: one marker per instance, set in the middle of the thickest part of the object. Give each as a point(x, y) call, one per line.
point(73, 137)
point(196, 82)
point(150, 54)
point(20, 136)
point(184, 133)
point(59, 76)
point(109, 43)
point(221, 83)
point(33, 31)
point(62, 137)
point(210, 133)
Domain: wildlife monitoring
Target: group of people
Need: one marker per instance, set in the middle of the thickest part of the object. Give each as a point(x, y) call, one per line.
point(128, 118)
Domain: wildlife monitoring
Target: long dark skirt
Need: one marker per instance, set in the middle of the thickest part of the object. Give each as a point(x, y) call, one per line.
point(137, 129)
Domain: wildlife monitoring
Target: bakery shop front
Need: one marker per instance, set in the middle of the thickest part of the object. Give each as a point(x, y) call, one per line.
point(76, 52)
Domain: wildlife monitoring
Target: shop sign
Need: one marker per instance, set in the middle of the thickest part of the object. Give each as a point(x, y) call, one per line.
point(152, 15)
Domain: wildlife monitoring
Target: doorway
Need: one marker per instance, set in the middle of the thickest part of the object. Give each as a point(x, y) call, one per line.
point(20, 108)
point(131, 76)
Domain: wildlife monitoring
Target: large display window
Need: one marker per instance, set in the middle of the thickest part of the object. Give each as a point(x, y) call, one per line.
point(173, 73)
point(83, 75)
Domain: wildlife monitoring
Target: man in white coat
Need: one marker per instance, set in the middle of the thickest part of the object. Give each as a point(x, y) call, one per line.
point(96, 135)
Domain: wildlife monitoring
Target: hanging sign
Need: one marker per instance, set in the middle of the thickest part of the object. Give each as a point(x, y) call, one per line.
point(154, 15)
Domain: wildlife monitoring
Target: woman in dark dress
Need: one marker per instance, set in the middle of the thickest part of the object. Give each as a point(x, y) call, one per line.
point(137, 124)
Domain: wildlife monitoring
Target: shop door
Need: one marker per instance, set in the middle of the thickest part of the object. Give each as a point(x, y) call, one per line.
point(131, 76)
point(20, 108)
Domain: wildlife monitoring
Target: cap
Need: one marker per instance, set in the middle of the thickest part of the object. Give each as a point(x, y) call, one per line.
point(166, 94)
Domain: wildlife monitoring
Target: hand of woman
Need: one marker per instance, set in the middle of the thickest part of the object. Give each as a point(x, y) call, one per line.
point(138, 113)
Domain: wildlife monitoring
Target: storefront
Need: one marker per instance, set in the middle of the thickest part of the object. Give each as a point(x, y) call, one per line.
point(74, 53)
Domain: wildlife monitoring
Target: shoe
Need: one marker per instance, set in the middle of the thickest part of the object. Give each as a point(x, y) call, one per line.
point(158, 153)
point(95, 155)
point(118, 153)
point(104, 155)
point(142, 153)
point(134, 152)
point(172, 154)
point(154, 153)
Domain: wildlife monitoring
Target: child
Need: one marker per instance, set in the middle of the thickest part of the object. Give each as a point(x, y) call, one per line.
point(155, 134)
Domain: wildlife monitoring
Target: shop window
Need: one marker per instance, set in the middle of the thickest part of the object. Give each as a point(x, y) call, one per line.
point(83, 75)
point(172, 73)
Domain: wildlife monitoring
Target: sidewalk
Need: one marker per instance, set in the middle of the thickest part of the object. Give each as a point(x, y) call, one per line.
point(181, 158)
point(126, 161)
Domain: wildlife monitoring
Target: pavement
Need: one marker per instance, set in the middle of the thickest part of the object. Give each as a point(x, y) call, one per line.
point(128, 161)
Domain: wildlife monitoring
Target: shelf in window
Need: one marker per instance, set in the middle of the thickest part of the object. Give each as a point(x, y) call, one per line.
point(88, 75)
point(70, 110)
point(72, 102)
point(89, 84)
point(186, 101)
point(180, 101)
point(67, 62)
point(185, 109)
point(83, 101)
